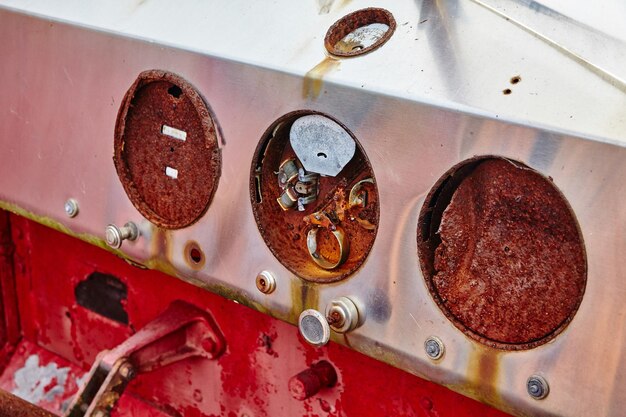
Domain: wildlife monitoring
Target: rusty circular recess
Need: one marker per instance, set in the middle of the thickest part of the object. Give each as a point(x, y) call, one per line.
point(166, 151)
point(360, 32)
point(285, 231)
point(502, 253)
point(194, 256)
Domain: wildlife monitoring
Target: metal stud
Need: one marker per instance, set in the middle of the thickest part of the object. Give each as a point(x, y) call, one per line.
point(537, 387)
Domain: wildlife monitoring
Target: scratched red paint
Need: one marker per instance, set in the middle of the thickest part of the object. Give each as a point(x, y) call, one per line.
point(250, 379)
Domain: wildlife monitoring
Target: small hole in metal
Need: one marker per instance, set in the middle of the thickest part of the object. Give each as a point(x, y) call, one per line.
point(175, 91)
point(507, 91)
point(195, 255)
point(360, 32)
point(516, 79)
point(322, 155)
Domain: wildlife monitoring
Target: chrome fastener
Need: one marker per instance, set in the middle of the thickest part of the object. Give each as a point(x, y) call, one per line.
point(434, 348)
point(71, 207)
point(114, 235)
point(537, 387)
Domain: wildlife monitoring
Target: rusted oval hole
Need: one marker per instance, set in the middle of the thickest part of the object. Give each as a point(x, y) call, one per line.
point(166, 151)
point(285, 231)
point(194, 255)
point(502, 253)
point(360, 32)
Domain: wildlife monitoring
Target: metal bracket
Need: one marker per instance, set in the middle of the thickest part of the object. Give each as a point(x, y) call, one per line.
point(182, 331)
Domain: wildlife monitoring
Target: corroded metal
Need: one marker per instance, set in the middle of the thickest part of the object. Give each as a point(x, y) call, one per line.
point(502, 253)
point(330, 238)
point(169, 173)
point(12, 406)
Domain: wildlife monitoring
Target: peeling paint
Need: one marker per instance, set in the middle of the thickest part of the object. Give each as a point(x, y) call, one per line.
point(35, 383)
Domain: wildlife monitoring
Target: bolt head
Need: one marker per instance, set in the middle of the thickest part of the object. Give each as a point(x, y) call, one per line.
point(434, 348)
point(127, 371)
point(537, 387)
point(71, 207)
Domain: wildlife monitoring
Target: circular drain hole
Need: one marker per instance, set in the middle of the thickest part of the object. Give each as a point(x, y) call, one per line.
point(501, 253)
point(194, 255)
point(165, 150)
point(360, 32)
point(314, 196)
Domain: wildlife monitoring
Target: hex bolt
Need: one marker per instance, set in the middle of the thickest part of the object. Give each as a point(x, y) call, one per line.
point(342, 315)
point(434, 348)
point(265, 282)
point(537, 387)
point(71, 207)
point(116, 235)
point(310, 381)
point(127, 371)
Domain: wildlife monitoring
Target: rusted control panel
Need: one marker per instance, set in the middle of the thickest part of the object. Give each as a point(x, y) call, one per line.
point(426, 184)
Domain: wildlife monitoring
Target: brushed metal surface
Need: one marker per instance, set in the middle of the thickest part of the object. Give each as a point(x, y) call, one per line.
point(430, 97)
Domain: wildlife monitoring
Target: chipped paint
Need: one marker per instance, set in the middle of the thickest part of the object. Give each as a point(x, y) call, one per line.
point(35, 383)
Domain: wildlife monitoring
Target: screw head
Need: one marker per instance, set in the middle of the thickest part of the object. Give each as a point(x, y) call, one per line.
point(434, 348)
point(71, 208)
point(265, 282)
point(537, 387)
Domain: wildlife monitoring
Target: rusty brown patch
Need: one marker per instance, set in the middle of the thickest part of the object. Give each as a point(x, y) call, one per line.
point(351, 22)
point(285, 232)
point(502, 253)
point(142, 152)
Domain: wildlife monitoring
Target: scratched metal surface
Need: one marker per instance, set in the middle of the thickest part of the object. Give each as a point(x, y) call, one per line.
point(429, 98)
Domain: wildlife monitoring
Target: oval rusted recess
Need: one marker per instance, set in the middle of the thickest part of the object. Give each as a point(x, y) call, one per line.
point(166, 151)
point(502, 253)
point(360, 32)
point(346, 202)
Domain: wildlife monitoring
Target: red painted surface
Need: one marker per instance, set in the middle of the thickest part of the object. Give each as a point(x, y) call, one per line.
point(250, 379)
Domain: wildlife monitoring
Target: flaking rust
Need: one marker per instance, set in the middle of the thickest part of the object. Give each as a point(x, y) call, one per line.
point(502, 253)
point(166, 151)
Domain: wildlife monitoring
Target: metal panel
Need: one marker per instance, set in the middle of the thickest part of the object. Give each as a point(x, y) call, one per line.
point(430, 97)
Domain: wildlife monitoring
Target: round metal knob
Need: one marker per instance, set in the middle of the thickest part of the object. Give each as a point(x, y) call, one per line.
point(314, 327)
point(114, 235)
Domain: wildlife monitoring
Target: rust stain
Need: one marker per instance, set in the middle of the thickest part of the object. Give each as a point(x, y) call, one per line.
point(304, 295)
point(483, 375)
point(313, 80)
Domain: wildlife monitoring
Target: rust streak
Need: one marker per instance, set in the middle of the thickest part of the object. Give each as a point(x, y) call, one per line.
point(312, 84)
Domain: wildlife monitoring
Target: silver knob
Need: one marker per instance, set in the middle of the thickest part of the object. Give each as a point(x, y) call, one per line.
point(314, 327)
point(116, 235)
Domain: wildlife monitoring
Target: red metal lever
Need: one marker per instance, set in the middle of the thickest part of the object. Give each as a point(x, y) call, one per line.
point(182, 331)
